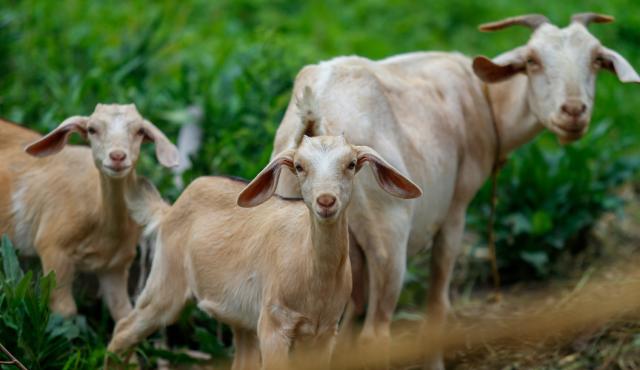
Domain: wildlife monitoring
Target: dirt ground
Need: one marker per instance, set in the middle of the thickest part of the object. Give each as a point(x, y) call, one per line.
point(613, 246)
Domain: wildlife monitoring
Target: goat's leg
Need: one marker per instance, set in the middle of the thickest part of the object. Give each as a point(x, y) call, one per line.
point(356, 306)
point(113, 285)
point(147, 316)
point(275, 343)
point(247, 356)
point(384, 245)
point(61, 300)
point(159, 304)
point(314, 354)
point(446, 248)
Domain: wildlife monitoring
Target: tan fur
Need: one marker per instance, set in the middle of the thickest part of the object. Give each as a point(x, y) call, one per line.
point(427, 115)
point(278, 274)
point(70, 214)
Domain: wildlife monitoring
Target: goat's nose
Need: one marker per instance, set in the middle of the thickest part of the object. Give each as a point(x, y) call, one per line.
point(574, 108)
point(117, 155)
point(326, 200)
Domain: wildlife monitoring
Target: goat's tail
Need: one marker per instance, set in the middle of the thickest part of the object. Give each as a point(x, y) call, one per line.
point(310, 118)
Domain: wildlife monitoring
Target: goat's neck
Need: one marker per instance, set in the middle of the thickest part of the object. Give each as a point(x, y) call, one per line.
point(330, 243)
point(515, 121)
point(113, 208)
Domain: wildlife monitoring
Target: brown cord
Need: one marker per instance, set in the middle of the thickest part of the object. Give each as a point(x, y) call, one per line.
point(497, 164)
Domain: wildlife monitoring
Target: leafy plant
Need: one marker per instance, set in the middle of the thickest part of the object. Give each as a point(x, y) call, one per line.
point(548, 198)
point(39, 339)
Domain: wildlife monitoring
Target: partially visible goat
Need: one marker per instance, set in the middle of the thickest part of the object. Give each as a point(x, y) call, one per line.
point(431, 117)
point(280, 270)
point(69, 208)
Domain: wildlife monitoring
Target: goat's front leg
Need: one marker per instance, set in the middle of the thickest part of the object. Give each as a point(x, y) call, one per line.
point(113, 286)
point(314, 353)
point(446, 248)
point(61, 301)
point(247, 356)
point(384, 245)
point(276, 328)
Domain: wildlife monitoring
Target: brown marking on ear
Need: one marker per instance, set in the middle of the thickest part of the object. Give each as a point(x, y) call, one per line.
point(54, 141)
point(389, 179)
point(490, 72)
point(264, 184)
point(616, 63)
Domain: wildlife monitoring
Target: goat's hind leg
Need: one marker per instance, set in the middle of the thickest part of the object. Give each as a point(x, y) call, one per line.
point(446, 248)
point(159, 304)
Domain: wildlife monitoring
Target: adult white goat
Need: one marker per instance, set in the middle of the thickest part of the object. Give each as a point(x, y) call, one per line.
point(69, 208)
point(280, 270)
point(431, 117)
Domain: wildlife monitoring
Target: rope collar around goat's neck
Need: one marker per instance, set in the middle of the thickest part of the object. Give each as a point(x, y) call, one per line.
point(498, 162)
point(498, 159)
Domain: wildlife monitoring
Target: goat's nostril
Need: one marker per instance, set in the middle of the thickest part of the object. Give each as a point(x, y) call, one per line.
point(118, 155)
point(326, 200)
point(574, 108)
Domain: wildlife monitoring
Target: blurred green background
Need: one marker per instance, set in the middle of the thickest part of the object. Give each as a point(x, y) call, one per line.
point(236, 61)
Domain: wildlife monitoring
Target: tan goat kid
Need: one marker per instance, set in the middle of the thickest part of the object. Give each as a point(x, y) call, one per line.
point(431, 117)
point(279, 271)
point(69, 208)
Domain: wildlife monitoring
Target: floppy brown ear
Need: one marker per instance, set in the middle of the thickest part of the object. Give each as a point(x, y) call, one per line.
point(616, 63)
point(264, 184)
point(54, 141)
point(166, 153)
point(389, 179)
point(500, 68)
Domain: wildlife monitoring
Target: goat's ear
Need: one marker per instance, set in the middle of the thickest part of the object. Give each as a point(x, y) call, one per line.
point(389, 179)
point(502, 67)
point(54, 141)
point(616, 63)
point(166, 153)
point(264, 184)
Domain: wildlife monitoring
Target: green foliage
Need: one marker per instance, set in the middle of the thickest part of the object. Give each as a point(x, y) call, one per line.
point(549, 197)
point(30, 332)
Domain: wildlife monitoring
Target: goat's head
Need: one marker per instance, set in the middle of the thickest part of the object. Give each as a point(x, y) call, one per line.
point(115, 133)
point(561, 65)
point(325, 167)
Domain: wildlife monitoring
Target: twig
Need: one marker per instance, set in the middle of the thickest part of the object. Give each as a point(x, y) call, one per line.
point(13, 360)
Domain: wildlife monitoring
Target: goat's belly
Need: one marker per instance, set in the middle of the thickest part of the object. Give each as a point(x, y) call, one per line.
point(237, 304)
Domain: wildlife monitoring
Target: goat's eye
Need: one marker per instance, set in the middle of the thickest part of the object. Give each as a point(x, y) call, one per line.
point(141, 132)
point(299, 167)
point(92, 131)
point(531, 61)
point(352, 165)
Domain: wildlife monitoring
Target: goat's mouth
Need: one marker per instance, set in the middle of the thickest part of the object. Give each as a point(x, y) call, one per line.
point(116, 171)
point(570, 131)
point(326, 213)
